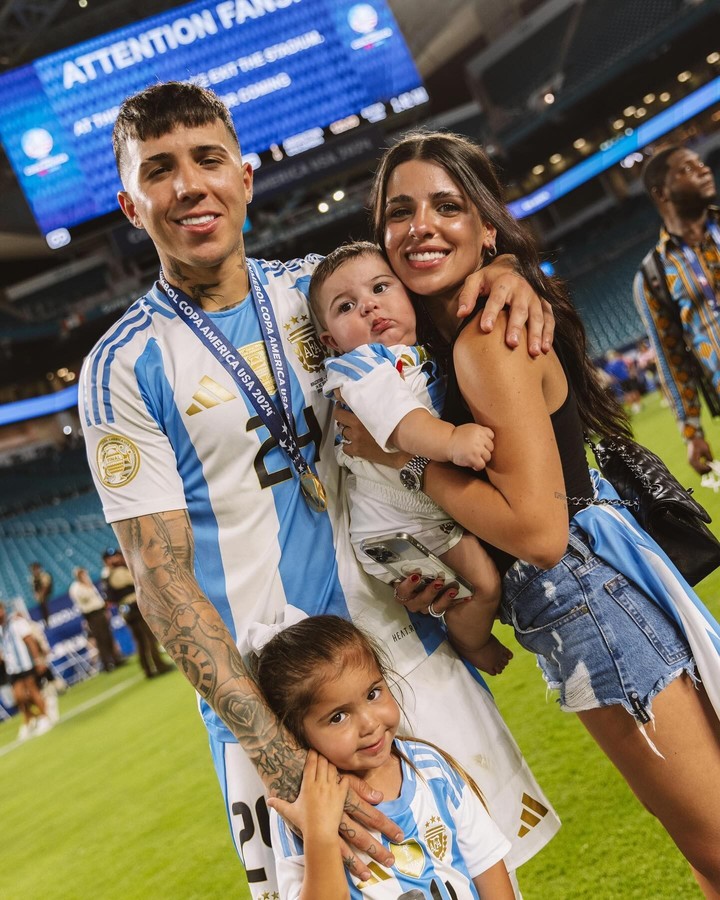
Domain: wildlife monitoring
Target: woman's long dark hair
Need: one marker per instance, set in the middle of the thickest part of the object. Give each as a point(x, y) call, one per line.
point(472, 171)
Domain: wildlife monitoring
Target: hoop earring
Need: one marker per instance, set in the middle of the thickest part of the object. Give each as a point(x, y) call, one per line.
point(491, 252)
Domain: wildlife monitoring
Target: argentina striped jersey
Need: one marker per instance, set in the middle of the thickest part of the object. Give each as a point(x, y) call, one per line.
point(449, 837)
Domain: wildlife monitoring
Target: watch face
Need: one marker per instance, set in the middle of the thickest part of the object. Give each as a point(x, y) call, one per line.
point(409, 479)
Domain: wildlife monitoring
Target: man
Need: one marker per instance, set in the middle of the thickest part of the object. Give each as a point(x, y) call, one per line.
point(42, 585)
point(24, 663)
point(677, 291)
point(88, 600)
point(120, 589)
point(216, 468)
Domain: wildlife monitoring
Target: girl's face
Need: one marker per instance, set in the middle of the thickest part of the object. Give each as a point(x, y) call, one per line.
point(434, 235)
point(354, 719)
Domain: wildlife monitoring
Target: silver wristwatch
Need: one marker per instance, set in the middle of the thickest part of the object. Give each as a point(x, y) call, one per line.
point(411, 474)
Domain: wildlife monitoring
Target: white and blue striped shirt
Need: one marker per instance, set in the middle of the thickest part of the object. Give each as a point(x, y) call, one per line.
point(15, 651)
point(449, 837)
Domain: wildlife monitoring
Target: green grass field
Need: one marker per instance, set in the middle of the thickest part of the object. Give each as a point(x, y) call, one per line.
point(120, 800)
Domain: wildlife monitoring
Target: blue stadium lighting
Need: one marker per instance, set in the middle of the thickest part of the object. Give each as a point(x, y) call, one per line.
point(46, 405)
point(599, 162)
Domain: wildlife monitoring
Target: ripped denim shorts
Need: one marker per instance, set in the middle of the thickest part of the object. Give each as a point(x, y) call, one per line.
point(598, 639)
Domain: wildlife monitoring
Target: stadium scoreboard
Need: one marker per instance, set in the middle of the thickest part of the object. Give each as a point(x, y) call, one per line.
point(294, 73)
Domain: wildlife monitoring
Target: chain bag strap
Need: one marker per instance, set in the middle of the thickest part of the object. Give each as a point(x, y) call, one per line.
point(663, 507)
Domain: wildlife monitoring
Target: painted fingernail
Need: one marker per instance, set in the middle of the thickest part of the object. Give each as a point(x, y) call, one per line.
point(415, 578)
point(376, 795)
point(452, 594)
point(490, 322)
point(438, 584)
point(534, 348)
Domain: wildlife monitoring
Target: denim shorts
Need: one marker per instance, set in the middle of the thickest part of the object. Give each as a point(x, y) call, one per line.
point(598, 639)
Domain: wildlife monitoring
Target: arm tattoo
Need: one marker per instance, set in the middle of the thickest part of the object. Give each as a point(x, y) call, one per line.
point(159, 550)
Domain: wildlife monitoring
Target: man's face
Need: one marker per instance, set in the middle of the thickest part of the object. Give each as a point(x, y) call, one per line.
point(689, 183)
point(189, 190)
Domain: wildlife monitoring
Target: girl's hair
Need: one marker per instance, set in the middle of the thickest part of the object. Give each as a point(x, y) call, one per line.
point(471, 169)
point(296, 661)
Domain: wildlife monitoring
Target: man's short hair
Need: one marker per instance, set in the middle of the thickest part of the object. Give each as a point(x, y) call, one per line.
point(656, 168)
point(332, 262)
point(162, 108)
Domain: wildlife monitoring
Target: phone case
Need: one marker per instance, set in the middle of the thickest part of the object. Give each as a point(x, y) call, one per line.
point(401, 555)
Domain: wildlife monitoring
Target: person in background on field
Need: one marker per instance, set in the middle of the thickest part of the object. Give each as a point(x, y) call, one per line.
point(89, 601)
point(328, 681)
point(647, 365)
point(624, 379)
point(120, 590)
point(677, 291)
point(42, 585)
point(24, 664)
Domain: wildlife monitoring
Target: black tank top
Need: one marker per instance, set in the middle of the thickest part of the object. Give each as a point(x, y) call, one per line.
point(571, 446)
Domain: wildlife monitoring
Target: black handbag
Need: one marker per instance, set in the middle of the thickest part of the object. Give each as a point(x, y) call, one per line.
point(662, 506)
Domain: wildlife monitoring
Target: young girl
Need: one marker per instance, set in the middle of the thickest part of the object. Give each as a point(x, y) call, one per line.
point(326, 681)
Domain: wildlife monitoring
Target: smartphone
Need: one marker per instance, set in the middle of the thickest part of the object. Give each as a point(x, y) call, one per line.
point(401, 555)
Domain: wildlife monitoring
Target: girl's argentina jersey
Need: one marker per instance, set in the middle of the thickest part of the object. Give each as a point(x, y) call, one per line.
point(449, 837)
point(167, 428)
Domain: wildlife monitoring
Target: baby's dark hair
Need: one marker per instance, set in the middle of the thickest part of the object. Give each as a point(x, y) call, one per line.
point(332, 262)
point(293, 664)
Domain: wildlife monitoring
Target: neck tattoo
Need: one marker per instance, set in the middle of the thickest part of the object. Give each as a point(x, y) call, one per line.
point(202, 294)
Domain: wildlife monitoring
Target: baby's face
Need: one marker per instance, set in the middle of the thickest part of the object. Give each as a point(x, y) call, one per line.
point(364, 303)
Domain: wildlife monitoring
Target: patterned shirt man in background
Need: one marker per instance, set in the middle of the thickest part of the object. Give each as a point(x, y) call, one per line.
point(677, 291)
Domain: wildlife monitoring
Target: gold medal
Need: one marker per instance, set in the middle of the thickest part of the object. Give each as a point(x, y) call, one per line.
point(313, 491)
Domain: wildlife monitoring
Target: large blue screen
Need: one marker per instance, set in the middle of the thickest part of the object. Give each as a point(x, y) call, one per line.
point(293, 72)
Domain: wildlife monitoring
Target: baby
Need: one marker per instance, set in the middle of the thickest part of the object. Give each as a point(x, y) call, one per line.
point(396, 389)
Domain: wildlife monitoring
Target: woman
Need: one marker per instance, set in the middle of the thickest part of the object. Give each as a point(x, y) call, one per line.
point(619, 662)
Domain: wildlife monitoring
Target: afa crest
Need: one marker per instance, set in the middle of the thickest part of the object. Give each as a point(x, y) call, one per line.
point(436, 837)
point(306, 344)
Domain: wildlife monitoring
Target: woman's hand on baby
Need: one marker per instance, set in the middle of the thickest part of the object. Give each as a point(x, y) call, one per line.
point(417, 598)
point(471, 445)
point(503, 286)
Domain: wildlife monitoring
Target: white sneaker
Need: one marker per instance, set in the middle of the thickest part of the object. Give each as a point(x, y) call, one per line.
point(24, 732)
point(51, 703)
point(42, 725)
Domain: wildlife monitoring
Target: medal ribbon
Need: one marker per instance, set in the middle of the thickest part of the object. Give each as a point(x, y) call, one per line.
point(280, 424)
point(697, 268)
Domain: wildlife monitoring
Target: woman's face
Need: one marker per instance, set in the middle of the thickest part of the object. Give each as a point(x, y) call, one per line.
point(434, 235)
